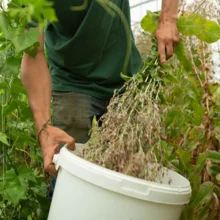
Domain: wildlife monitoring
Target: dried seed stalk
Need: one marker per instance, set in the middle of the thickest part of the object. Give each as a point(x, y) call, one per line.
point(132, 127)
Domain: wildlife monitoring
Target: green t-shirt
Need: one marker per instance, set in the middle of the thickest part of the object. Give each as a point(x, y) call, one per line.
point(86, 49)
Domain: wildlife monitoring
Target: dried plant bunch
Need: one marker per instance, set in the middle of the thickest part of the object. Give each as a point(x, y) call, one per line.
point(132, 126)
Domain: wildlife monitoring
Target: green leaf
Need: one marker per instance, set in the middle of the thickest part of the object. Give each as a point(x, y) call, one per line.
point(203, 211)
point(200, 163)
point(217, 190)
point(181, 55)
point(46, 9)
point(19, 89)
point(214, 156)
point(171, 78)
point(21, 40)
point(3, 23)
point(172, 117)
point(14, 194)
point(203, 196)
point(3, 138)
point(194, 24)
point(29, 217)
point(40, 189)
point(8, 109)
point(23, 182)
point(13, 65)
point(188, 214)
point(3, 85)
point(197, 61)
point(216, 93)
point(2, 188)
point(9, 175)
point(195, 182)
point(214, 170)
point(149, 22)
point(198, 112)
point(23, 138)
point(14, 190)
point(32, 51)
point(191, 95)
point(3, 47)
point(185, 159)
point(27, 173)
point(218, 178)
point(193, 81)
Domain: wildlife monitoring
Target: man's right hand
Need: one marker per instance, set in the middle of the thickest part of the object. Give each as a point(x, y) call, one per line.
point(50, 139)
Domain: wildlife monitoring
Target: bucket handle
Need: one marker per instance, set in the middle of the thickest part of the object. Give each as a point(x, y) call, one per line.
point(56, 156)
point(55, 161)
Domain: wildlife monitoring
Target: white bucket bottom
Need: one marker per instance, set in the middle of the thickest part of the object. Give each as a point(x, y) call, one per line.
point(85, 191)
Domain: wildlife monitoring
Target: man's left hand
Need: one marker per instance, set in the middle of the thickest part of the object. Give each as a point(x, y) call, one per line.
point(168, 37)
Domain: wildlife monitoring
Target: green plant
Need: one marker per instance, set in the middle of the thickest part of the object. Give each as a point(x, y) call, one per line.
point(22, 183)
point(124, 142)
point(191, 116)
point(190, 144)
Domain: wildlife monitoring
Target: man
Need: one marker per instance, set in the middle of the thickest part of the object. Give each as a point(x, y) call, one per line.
point(86, 51)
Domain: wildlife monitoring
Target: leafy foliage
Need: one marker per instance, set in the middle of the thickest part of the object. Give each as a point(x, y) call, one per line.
point(188, 25)
point(191, 115)
point(22, 183)
point(208, 31)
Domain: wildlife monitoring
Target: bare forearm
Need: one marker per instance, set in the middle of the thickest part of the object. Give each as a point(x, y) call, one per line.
point(169, 9)
point(167, 33)
point(36, 79)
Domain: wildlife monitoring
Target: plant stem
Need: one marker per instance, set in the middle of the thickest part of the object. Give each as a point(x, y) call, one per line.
point(119, 12)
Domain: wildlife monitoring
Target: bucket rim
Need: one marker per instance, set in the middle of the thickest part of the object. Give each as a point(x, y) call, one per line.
point(124, 184)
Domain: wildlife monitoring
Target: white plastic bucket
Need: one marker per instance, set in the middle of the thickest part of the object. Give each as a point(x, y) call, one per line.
point(85, 191)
